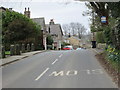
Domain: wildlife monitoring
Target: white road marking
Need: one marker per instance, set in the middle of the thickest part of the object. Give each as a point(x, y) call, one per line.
point(75, 72)
point(69, 73)
point(62, 73)
point(60, 56)
point(97, 71)
point(42, 74)
point(55, 61)
point(55, 73)
point(88, 72)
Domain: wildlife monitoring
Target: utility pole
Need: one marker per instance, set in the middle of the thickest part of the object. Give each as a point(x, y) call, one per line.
point(93, 39)
point(93, 25)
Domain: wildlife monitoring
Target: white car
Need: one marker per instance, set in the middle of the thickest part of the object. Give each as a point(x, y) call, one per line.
point(78, 48)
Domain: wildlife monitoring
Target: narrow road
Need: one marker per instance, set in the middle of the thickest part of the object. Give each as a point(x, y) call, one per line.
point(57, 69)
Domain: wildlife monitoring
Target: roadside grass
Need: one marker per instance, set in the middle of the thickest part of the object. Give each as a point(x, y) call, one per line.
point(113, 64)
point(7, 52)
point(110, 65)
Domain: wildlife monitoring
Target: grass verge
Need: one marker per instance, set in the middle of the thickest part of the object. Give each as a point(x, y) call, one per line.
point(111, 67)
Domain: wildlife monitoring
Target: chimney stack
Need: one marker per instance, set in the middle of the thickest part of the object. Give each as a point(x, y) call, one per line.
point(25, 9)
point(10, 9)
point(27, 13)
point(51, 22)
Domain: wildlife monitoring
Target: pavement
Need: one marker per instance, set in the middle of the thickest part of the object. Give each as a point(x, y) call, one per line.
point(57, 69)
point(12, 59)
point(96, 50)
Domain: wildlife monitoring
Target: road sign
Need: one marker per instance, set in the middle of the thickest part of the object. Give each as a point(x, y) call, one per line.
point(103, 19)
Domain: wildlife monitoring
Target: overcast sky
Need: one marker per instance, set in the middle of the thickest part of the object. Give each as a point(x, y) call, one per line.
point(62, 11)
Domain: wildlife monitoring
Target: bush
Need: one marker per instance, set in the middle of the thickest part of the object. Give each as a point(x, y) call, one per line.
point(49, 47)
point(65, 44)
point(113, 53)
point(7, 53)
point(113, 57)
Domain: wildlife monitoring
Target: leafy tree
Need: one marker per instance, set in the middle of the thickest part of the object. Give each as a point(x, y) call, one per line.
point(49, 40)
point(100, 37)
point(114, 7)
point(64, 44)
point(111, 11)
point(17, 28)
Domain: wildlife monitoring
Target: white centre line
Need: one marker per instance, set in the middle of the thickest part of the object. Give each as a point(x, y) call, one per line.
point(42, 74)
point(55, 61)
point(60, 56)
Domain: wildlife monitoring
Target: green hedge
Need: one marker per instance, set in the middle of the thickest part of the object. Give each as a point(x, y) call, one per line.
point(113, 56)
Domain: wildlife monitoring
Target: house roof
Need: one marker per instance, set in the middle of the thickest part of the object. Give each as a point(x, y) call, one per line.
point(55, 29)
point(40, 21)
point(4, 9)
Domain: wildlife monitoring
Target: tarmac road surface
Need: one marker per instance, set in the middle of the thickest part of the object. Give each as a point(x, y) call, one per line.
point(57, 69)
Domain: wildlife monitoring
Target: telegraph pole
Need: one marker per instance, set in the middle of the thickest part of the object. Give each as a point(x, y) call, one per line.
point(93, 38)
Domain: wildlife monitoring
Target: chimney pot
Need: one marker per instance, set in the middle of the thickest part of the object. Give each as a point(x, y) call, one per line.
point(10, 8)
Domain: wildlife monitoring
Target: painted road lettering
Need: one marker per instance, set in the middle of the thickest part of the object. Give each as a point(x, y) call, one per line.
point(88, 71)
point(69, 73)
point(75, 72)
point(62, 73)
point(97, 71)
point(55, 73)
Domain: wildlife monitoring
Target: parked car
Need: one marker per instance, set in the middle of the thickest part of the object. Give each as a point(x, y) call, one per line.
point(78, 48)
point(81, 48)
point(68, 48)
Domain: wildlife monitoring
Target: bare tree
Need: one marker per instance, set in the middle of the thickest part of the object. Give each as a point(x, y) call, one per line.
point(75, 29)
point(66, 29)
point(81, 30)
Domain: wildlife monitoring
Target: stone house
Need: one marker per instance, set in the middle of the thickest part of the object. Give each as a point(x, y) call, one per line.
point(55, 31)
point(41, 22)
point(74, 41)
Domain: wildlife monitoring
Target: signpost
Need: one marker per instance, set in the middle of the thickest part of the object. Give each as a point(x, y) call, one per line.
point(104, 20)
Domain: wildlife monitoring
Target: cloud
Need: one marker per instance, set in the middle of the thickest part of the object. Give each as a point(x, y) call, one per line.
point(61, 13)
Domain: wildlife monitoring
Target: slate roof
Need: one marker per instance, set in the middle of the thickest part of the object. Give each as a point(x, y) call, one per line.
point(40, 21)
point(55, 29)
point(2, 8)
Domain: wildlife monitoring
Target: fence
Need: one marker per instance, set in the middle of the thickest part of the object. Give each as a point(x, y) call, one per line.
point(18, 49)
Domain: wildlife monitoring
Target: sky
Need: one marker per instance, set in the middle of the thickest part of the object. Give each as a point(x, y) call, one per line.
point(62, 11)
